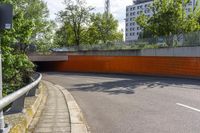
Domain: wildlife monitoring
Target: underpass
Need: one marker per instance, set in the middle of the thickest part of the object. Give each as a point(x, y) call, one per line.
point(134, 104)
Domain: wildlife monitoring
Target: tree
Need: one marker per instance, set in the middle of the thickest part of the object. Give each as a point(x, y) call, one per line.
point(79, 26)
point(90, 36)
point(16, 70)
point(64, 36)
point(29, 21)
point(76, 14)
point(45, 40)
point(104, 28)
point(169, 18)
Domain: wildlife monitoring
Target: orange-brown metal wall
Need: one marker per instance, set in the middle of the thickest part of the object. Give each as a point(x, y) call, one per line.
point(145, 65)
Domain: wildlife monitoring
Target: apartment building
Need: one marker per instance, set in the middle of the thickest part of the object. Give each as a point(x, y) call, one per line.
point(132, 29)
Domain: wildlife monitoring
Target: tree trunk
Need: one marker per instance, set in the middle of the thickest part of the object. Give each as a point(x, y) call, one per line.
point(169, 41)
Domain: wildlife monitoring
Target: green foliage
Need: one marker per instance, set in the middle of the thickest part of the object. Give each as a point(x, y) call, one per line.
point(64, 36)
point(79, 26)
point(76, 15)
point(116, 46)
point(103, 28)
point(30, 26)
point(169, 18)
point(45, 40)
point(16, 70)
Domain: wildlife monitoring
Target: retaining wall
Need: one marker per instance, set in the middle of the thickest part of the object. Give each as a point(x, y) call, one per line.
point(143, 65)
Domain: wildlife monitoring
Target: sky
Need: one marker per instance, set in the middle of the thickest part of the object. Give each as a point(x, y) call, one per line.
point(118, 8)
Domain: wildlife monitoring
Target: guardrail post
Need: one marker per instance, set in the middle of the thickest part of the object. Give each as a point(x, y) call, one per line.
point(17, 105)
point(32, 92)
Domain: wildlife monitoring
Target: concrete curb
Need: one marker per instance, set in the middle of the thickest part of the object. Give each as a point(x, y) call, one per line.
point(78, 123)
point(39, 111)
point(20, 122)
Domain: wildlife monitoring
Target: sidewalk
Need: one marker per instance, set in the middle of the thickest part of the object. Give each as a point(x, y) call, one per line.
point(55, 115)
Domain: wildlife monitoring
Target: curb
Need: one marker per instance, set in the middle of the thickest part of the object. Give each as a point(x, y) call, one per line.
point(39, 111)
point(78, 123)
point(22, 120)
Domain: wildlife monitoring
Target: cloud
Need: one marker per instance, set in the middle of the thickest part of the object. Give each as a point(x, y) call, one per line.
point(118, 8)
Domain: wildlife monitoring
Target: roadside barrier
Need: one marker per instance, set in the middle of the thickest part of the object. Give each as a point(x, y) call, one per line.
point(17, 100)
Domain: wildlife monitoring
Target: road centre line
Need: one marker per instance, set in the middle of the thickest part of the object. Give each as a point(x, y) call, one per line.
point(189, 107)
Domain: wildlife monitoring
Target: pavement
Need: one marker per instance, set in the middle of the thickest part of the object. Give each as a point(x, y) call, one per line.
point(55, 116)
point(134, 104)
point(58, 113)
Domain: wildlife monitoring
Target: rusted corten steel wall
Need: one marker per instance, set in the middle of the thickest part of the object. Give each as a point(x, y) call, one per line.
point(144, 65)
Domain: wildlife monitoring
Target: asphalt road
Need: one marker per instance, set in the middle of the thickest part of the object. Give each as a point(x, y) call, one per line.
point(134, 104)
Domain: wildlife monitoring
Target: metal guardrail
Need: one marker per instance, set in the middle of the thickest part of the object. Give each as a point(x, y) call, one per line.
point(17, 99)
point(12, 97)
point(191, 39)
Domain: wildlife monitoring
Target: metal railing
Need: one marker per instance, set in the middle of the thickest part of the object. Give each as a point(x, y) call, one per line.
point(17, 99)
point(191, 39)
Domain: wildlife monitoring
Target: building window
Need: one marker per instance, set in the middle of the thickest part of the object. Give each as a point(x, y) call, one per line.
point(132, 29)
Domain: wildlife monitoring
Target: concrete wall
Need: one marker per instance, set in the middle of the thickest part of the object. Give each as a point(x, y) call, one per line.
point(176, 52)
point(176, 62)
point(50, 57)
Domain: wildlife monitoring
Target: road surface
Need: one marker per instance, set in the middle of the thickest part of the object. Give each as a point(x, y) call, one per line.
point(134, 104)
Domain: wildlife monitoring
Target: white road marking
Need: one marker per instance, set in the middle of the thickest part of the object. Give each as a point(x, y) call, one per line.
point(186, 106)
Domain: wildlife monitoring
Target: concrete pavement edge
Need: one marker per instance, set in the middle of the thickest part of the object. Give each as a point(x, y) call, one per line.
point(77, 120)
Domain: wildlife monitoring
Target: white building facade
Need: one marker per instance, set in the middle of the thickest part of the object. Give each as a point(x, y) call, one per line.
point(132, 29)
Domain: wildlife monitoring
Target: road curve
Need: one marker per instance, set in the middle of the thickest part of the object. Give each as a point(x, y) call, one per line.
point(134, 104)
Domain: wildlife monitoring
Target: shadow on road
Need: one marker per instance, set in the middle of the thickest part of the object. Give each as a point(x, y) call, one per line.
point(126, 84)
point(113, 87)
